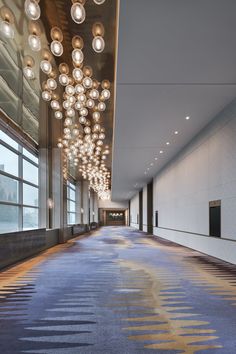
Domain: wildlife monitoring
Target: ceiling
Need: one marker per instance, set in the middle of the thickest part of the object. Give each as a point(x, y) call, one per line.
point(175, 59)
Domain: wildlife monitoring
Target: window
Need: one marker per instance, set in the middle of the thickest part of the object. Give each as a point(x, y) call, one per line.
point(9, 161)
point(19, 189)
point(71, 204)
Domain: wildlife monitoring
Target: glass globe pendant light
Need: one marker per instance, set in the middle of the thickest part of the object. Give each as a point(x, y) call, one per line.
point(58, 115)
point(77, 74)
point(46, 96)
point(46, 66)
point(90, 103)
point(32, 9)
point(94, 94)
point(7, 30)
point(57, 37)
point(28, 73)
point(66, 104)
point(82, 120)
point(106, 94)
point(70, 90)
point(56, 48)
point(28, 67)
point(34, 43)
point(64, 79)
point(34, 36)
point(96, 116)
point(55, 105)
point(68, 121)
point(101, 106)
point(98, 42)
point(87, 82)
point(79, 89)
point(6, 25)
point(51, 84)
point(78, 13)
point(70, 112)
point(78, 56)
point(78, 106)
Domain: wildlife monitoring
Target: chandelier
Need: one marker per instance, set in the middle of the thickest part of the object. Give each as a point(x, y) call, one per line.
point(74, 95)
point(77, 98)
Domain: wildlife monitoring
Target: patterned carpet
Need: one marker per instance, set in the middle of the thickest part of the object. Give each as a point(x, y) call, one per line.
point(118, 292)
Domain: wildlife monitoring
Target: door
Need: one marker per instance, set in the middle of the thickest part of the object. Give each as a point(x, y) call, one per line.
point(215, 218)
point(150, 207)
point(141, 210)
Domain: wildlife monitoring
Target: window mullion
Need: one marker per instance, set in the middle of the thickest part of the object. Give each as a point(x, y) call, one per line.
point(20, 173)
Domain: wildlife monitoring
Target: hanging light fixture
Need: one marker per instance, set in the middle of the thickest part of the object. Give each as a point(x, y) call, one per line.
point(96, 116)
point(101, 106)
point(55, 105)
point(57, 37)
point(32, 9)
point(46, 96)
point(77, 74)
point(63, 77)
point(94, 94)
point(34, 37)
point(51, 84)
point(70, 90)
point(58, 115)
point(98, 43)
point(77, 56)
point(34, 42)
point(6, 25)
point(78, 13)
point(45, 64)
point(28, 67)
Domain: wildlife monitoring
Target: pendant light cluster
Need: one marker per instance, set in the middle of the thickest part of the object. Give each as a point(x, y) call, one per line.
point(83, 100)
point(81, 104)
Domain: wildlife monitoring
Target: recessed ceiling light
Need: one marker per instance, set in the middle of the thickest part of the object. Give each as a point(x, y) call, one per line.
point(148, 168)
point(187, 118)
point(145, 172)
point(151, 164)
point(176, 132)
point(156, 158)
point(167, 143)
point(161, 152)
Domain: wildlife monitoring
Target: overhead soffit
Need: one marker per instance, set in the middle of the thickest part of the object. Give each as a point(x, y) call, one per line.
point(175, 59)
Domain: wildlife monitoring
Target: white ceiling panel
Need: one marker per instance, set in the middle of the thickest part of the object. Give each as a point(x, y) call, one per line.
point(176, 58)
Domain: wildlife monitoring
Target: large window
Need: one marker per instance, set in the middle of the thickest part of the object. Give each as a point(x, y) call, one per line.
point(71, 211)
point(19, 190)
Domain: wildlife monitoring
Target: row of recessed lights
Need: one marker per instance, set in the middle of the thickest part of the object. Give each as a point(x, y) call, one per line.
point(162, 151)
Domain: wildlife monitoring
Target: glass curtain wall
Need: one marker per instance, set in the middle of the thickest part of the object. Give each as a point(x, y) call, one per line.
point(19, 186)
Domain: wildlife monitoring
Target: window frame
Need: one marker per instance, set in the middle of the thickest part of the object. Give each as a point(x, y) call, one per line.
point(70, 185)
point(21, 181)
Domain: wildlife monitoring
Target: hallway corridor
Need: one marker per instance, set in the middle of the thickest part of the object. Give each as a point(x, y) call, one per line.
point(118, 292)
